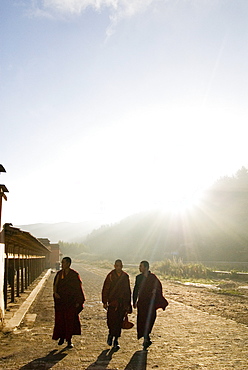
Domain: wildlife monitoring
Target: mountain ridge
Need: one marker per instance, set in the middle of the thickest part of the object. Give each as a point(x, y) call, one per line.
point(65, 231)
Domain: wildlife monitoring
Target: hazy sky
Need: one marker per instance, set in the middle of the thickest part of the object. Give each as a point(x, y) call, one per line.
point(109, 107)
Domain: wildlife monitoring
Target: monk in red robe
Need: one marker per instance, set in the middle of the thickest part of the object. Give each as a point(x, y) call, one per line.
point(147, 297)
point(116, 298)
point(69, 299)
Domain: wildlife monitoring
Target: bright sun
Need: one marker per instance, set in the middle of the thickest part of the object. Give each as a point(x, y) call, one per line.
point(179, 203)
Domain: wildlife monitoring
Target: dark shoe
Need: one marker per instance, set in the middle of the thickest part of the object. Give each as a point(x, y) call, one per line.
point(70, 345)
point(61, 341)
point(116, 344)
point(110, 340)
point(146, 344)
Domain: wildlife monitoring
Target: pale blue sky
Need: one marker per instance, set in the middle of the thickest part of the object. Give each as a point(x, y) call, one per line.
point(110, 107)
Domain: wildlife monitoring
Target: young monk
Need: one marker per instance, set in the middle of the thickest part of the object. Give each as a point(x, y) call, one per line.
point(147, 297)
point(69, 299)
point(116, 298)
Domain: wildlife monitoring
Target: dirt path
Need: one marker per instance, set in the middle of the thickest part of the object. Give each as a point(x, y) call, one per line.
point(184, 337)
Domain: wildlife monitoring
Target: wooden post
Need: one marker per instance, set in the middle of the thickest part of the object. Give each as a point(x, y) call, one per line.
point(17, 266)
point(36, 268)
point(26, 271)
point(11, 278)
point(32, 269)
point(6, 269)
point(29, 271)
point(22, 274)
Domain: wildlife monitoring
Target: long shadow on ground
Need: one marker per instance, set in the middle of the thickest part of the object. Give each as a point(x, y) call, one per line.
point(46, 362)
point(138, 361)
point(102, 360)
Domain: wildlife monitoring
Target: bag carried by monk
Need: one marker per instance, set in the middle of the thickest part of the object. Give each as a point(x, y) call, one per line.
point(126, 324)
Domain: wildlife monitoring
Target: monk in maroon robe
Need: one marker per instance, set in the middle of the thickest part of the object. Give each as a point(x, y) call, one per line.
point(69, 299)
point(147, 297)
point(116, 298)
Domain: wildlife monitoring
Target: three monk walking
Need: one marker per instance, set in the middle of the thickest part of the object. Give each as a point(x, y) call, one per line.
point(116, 298)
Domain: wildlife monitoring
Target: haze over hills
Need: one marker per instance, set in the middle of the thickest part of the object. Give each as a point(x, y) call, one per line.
point(214, 230)
point(66, 231)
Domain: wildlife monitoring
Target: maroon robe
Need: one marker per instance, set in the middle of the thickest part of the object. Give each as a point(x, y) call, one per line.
point(68, 306)
point(116, 292)
point(148, 292)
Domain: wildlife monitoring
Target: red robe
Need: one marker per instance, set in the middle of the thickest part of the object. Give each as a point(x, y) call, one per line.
point(69, 305)
point(116, 292)
point(148, 292)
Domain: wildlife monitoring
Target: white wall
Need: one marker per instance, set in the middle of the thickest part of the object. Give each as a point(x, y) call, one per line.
point(1, 284)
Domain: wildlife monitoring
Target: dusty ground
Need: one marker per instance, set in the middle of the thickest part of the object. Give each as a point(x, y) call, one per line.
point(199, 330)
point(230, 306)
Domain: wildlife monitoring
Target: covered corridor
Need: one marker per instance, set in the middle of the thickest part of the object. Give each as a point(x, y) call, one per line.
point(25, 259)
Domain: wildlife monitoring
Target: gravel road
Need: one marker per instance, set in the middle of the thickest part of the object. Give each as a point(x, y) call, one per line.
point(190, 334)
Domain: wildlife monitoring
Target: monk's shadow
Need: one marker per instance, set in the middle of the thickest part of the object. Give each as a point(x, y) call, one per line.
point(138, 361)
point(102, 360)
point(46, 362)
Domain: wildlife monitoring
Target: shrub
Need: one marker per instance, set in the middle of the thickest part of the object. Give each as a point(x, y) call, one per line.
point(176, 268)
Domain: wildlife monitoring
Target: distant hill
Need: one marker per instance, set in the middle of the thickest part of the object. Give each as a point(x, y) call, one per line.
point(65, 231)
point(153, 235)
point(140, 236)
point(214, 230)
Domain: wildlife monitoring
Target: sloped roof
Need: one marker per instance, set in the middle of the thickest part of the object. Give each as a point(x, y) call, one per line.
point(27, 243)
